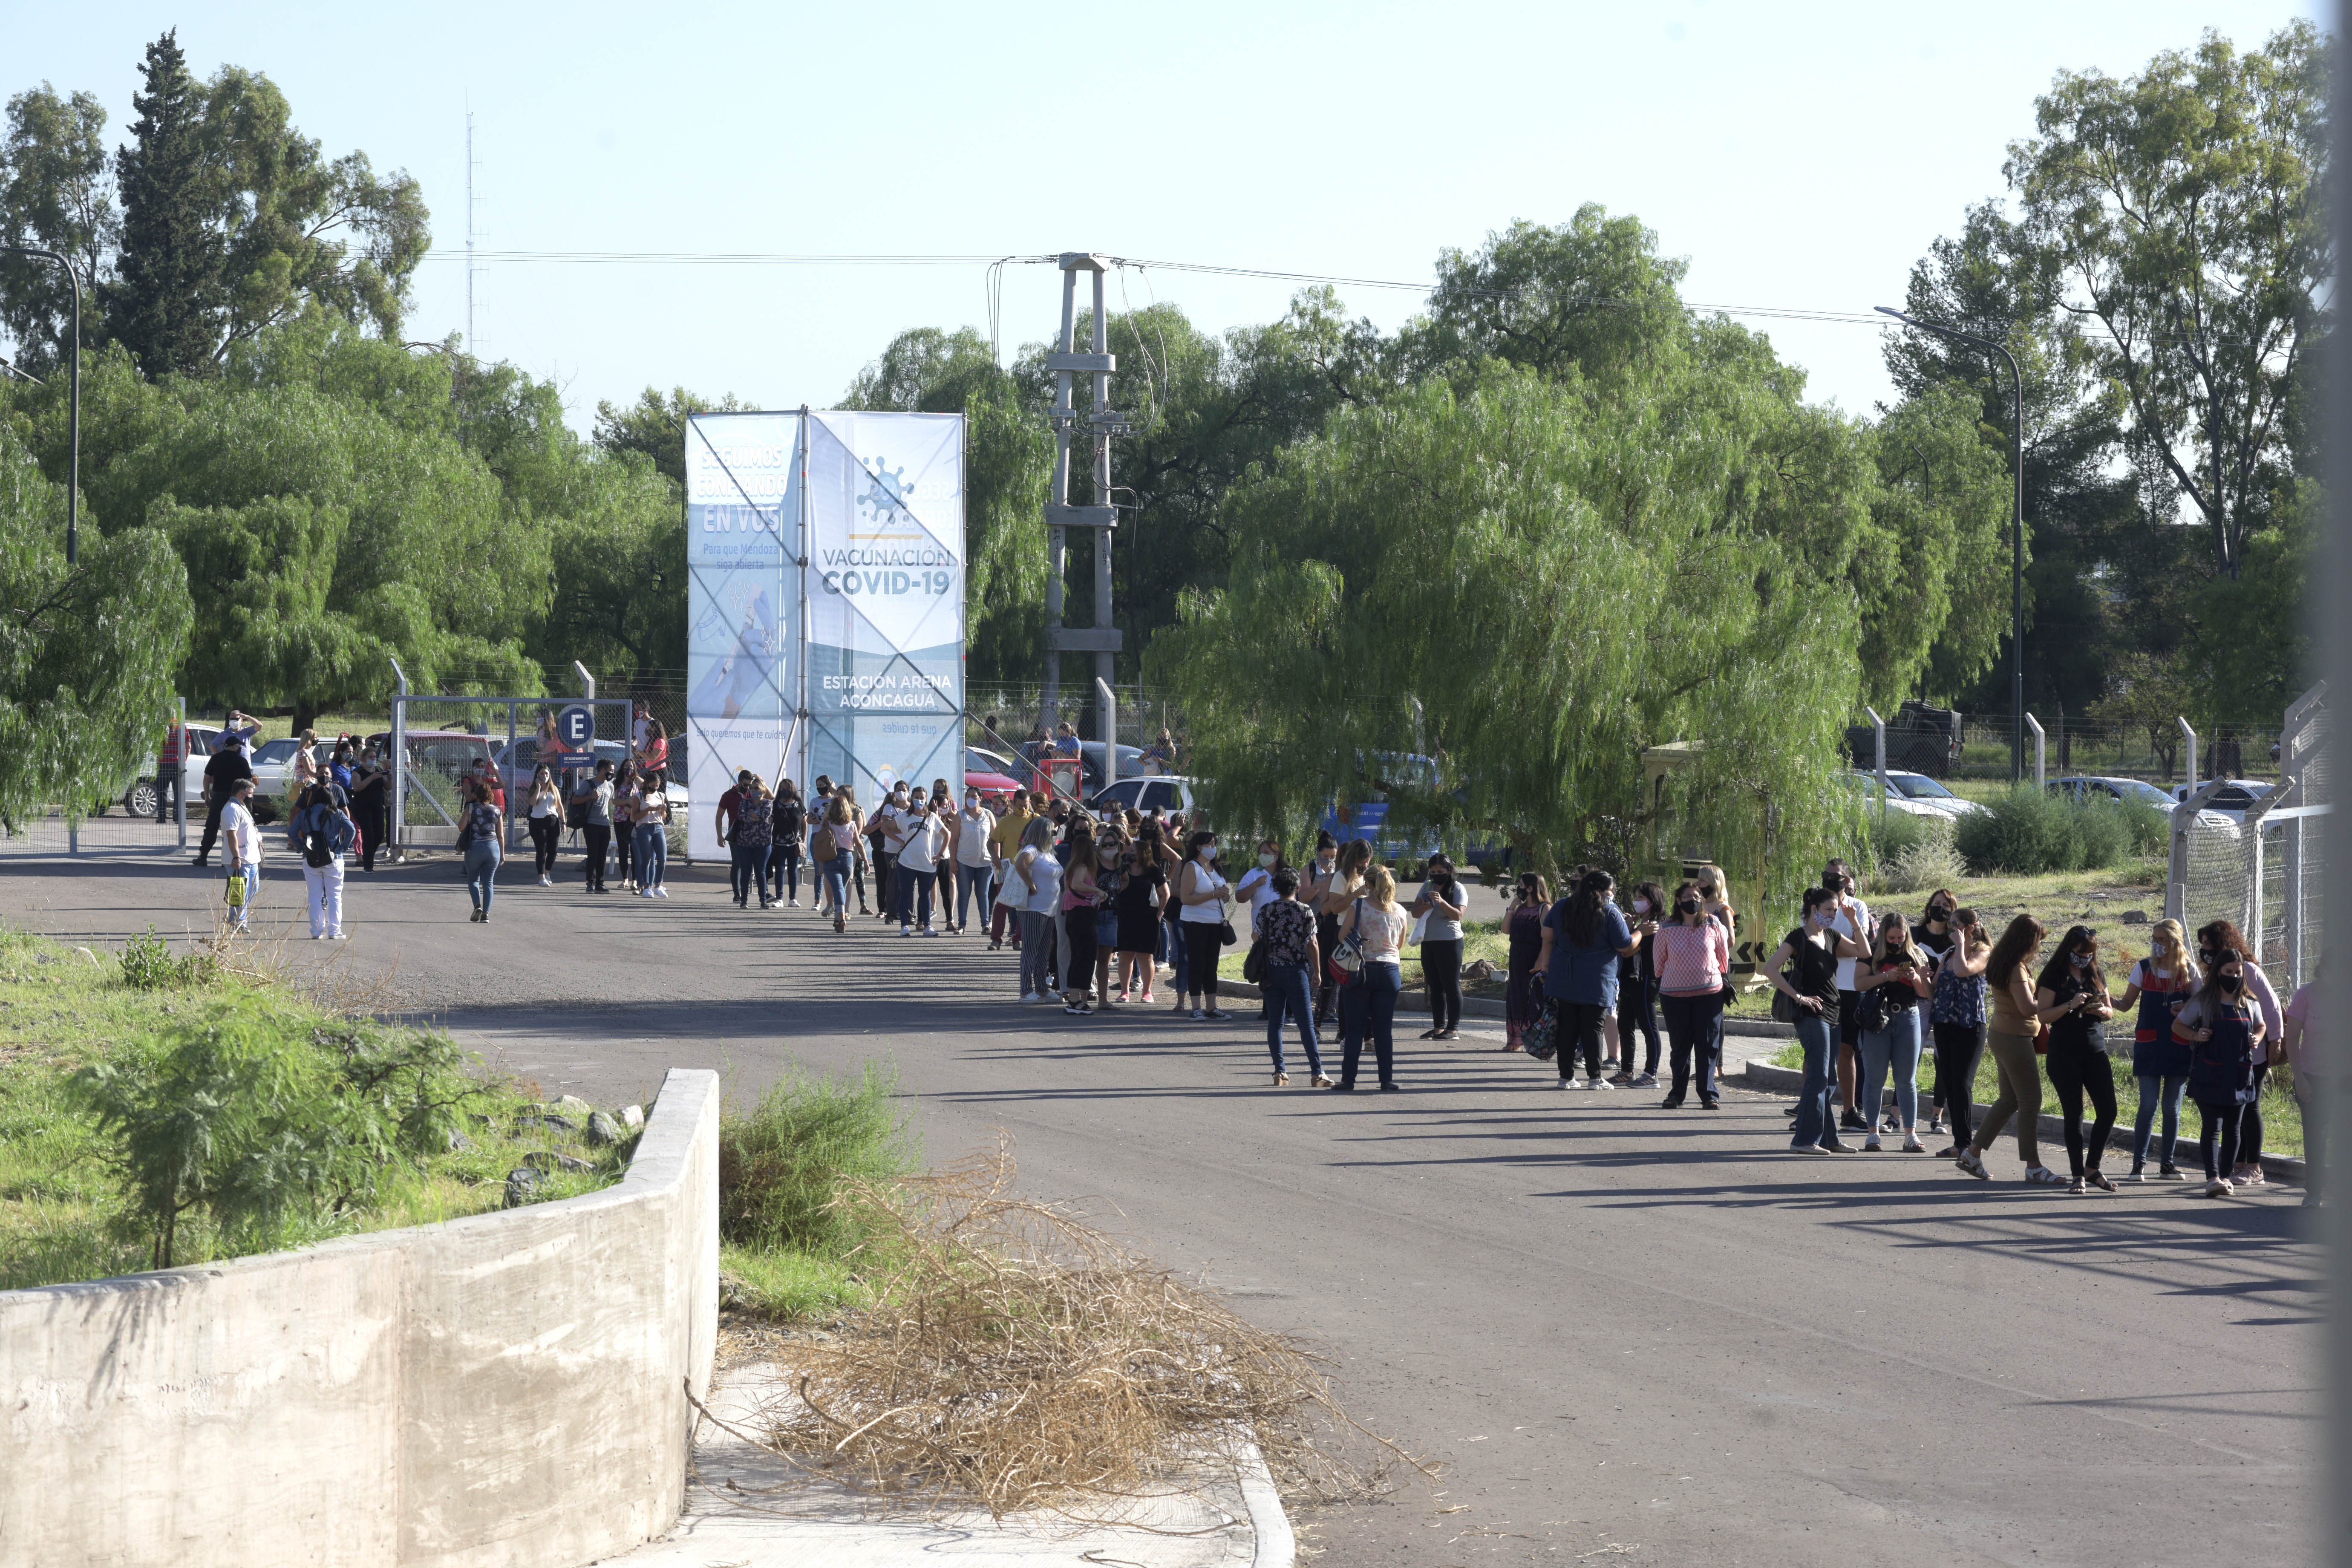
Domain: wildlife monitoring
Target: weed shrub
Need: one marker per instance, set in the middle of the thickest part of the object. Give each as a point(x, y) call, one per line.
point(148, 964)
point(2028, 832)
point(1916, 857)
point(781, 1163)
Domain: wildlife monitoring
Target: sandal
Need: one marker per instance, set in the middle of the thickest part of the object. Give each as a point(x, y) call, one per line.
point(2043, 1176)
point(1282, 1080)
point(1969, 1162)
point(2098, 1179)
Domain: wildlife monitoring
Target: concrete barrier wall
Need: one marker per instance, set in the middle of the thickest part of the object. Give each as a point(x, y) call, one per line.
point(505, 1389)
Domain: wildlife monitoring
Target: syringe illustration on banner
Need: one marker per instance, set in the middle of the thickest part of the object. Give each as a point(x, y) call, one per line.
point(747, 675)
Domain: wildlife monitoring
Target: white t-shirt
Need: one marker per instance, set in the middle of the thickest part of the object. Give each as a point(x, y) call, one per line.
point(971, 837)
point(243, 832)
point(1257, 885)
point(927, 840)
point(1203, 879)
point(1845, 965)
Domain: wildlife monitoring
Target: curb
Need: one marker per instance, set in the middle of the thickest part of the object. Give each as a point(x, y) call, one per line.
point(2053, 1128)
point(1273, 1544)
point(1487, 1007)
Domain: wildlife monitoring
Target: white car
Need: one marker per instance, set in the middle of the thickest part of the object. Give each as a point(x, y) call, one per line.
point(1913, 794)
point(2231, 801)
point(2135, 791)
point(1167, 792)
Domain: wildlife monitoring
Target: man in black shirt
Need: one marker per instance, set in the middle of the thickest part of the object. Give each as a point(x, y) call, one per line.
point(228, 766)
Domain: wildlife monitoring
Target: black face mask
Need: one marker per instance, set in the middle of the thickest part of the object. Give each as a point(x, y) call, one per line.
point(1938, 915)
point(2228, 983)
point(1687, 907)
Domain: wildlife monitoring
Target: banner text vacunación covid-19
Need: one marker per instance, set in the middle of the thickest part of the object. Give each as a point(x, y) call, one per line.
point(825, 628)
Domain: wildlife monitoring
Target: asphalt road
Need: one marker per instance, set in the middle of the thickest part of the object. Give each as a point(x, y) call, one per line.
point(1630, 1334)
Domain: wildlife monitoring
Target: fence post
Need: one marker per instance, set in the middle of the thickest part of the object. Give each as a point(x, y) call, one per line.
point(2041, 775)
point(587, 682)
point(180, 779)
point(2191, 784)
point(1878, 729)
point(1110, 729)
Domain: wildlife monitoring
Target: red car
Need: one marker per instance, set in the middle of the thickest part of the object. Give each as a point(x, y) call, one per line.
point(991, 775)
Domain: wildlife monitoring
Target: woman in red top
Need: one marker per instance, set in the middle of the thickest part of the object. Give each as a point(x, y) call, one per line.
point(1693, 956)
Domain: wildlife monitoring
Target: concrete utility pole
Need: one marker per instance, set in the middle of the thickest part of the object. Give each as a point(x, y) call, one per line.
point(1102, 423)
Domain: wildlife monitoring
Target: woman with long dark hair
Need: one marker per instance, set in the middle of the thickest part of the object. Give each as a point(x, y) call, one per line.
point(1637, 991)
point(1205, 899)
point(1890, 1036)
point(2077, 1058)
point(2160, 984)
point(2224, 1028)
point(546, 821)
point(1585, 936)
point(1693, 955)
point(1442, 900)
point(1804, 968)
point(2016, 1019)
point(1331, 886)
point(2214, 938)
point(755, 830)
point(1523, 925)
point(788, 828)
point(1142, 894)
point(1957, 947)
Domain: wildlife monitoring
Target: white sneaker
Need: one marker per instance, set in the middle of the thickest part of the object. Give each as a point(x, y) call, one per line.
point(1870, 1145)
point(2217, 1188)
point(661, 892)
point(1598, 1083)
point(796, 903)
point(929, 931)
point(1564, 1083)
point(337, 936)
point(546, 882)
point(1582, 1084)
point(1028, 997)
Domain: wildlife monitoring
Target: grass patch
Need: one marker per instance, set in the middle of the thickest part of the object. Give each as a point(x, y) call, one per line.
point(789, 1250)
point(318, 1125)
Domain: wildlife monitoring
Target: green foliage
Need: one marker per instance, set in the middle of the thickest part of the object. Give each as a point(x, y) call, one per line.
point(163, 302)
point(654, 427)
point(2182, 208)
point(234, 1113)
point(53, 194)
point(1618, 539)
point(1914, 854)
point(148, 964)
point(2028, 832)
point(87, 654)
point(780, 1163)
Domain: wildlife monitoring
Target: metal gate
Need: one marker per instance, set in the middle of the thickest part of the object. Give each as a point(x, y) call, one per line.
point(441, 739)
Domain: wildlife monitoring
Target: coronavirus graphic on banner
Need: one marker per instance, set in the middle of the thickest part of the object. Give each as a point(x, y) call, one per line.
point(826, 631)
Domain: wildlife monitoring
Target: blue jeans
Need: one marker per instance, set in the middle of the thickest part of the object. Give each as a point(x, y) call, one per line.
point(783, 862)
point(2154, 1089)
point(652, 846)
point(968, 877)
point(1895, 1047)
point(1369, 1007)
point(1037, 953)
point(835, 873)
point(251, 876)
point(481, 872)
point(746, 866)
point(1818, 1036)
point(1289, 995)
point(914, 890)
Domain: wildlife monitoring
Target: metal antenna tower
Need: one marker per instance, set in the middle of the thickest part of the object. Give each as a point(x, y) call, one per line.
point(1102, 423)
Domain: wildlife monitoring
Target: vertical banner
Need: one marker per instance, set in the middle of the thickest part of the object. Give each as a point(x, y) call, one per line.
point(885, 594)
point(743, 539)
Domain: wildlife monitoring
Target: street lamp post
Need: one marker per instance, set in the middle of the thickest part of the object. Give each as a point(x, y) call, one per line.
point(73, 471)
point(2016, 532)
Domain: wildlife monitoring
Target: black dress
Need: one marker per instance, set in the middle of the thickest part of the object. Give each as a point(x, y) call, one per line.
point(1139, 921)
point(1523, 1003)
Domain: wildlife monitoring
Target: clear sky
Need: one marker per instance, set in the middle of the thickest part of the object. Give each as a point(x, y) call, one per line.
point(1798, 155)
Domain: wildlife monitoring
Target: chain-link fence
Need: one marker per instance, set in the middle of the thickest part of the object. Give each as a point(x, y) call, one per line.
point(2265, 872)
point(1000, 715)
point(2080, 746)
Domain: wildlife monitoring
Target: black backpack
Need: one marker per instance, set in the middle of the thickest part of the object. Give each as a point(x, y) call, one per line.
point(316, 850)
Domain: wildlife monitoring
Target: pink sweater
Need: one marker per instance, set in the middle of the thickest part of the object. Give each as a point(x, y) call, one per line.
point(1692, 960)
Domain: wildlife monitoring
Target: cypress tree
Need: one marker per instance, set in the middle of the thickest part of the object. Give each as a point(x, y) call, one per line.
point(164, 305)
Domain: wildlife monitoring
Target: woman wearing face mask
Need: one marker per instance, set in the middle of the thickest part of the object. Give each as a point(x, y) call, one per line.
point(832, 864)
point(546, 821)
point(1110, 878)
point(1890, 1037)
point(1142, 894)
point(1443, 901)
point(1368, 1005)
point(1637, 992)
point(1328, 890)
point(975, 866)
point(1693, 955)
point(1956, 1015)
point(1804, 968)
point(2016, 1019)
point(1034, 884)
point(1523, 925)
point(2077, 1058)
point(1081, 891)
point(2214, 938)
point(787, 828)
point(755, 830)
point(1254, 890)
point(2160, 984)
point(2224, 1029)
point(1206, 900)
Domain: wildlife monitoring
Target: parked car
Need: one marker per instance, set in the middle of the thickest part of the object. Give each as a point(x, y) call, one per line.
point(994, 776)
point(1167, 792)
point(518, 767)
point(1090, 766)
point(2231, 801)
point(2132, 792)
point(1949, 807)
point(273, 768)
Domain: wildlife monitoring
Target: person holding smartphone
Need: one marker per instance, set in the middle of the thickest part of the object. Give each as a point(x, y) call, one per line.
point(1891, 1044)
point(1804, 968)
point(2222, 1027)
point(1956, 1014)
point(2077, 1060)
point(1852, 923)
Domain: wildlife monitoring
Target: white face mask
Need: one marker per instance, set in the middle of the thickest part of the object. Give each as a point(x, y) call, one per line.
point(972, 803)
point(1269, 861)
point(1208, 853)
point(1640, 905)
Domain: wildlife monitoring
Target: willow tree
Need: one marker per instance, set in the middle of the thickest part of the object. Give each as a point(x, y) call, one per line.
point(1532, 582)
point(87, 651)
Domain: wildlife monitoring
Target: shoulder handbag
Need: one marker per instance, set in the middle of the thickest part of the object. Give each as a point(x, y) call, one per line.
point(1784, 1007)
point(1348, 952)
point(1540, 1038)
point(1871, 1012)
